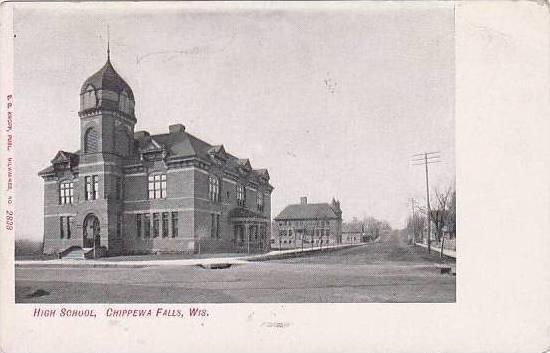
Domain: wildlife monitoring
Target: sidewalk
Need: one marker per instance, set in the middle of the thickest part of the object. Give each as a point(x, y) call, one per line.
point(446, 252)
point(272, 255)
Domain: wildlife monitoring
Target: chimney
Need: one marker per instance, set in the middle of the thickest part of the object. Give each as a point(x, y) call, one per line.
point(176, 129)
point(141, 134)
point(303, 200)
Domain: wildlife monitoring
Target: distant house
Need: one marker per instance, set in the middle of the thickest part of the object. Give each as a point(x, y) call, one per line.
point(308, 225)
point(353, 233)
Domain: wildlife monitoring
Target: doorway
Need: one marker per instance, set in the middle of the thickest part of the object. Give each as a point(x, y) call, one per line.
point(91, 232)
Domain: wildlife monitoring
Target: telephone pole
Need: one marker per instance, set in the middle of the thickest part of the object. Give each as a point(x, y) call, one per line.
point(425, 159)
point(413, 223)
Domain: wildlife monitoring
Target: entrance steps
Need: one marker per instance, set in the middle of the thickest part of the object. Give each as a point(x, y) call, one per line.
point(77, 253)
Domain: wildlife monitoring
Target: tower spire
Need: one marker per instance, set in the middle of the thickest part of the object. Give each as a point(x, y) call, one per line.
point(108, 44)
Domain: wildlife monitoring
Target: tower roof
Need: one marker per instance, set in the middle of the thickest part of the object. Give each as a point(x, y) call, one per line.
point(107, 78)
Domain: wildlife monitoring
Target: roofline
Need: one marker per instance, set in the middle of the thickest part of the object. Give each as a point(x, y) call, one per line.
point(300, 219)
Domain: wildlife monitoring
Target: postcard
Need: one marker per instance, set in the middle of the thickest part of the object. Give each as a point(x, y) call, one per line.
point(251, 176)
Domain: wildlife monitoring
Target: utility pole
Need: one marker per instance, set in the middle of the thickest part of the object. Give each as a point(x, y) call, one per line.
point(413, 223)
point(425, 159)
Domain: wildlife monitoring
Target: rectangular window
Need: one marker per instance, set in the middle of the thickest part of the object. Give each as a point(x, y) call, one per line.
point(88, 188)
point(164, 224)
point(91, 186)
point(260, 201)
point(147, 225)
point(213, 188)
point(66, 192)
point(157, 186)
point(138, 225)
point(61, 228)
point(174, 224)
point(156, 224)
point(69, 223)
point(241, 195)
point(95, 189)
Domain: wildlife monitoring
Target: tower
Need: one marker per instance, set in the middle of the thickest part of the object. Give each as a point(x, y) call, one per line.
point(106, 113)
point(107, 123)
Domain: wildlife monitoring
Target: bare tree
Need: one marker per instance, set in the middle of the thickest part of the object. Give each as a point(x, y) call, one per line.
point(416, 226)
point(451, 215)
point(440, 212)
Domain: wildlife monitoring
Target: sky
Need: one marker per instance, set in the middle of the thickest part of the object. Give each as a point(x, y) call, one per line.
point(332, 100)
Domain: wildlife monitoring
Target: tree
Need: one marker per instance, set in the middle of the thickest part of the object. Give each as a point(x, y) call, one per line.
point(444, 213)
point(416, 225)
point(451, 215)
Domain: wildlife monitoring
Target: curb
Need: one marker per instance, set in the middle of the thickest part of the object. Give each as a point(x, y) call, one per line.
point(205, 263)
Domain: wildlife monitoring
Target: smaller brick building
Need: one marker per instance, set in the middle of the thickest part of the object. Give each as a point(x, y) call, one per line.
point(308, 225)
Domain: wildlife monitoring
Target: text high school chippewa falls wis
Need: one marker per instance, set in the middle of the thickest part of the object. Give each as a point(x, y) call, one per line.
point(303, 178)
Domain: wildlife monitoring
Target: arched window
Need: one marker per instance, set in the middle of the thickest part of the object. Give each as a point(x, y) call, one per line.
point(91, 140)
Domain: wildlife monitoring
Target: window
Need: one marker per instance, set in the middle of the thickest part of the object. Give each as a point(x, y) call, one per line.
point(164, 224)
point(90, 98)
point(157, 186)
point(156, 225)
point(118, 188)
point(124, 102)
point(260, 201)
point(138, 225)
point(174, 224)
point(241, 195)
point(66, 192)
point(69, 222)
point(147, 225)
point(119, 226)
point(91, 140)
point(91, 187)
point(213, 188)
point(61, 228)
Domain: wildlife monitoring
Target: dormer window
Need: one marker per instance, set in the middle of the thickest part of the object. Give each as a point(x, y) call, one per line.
point(124, 102)
point(89, 98)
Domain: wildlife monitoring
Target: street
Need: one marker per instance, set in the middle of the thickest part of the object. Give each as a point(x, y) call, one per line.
point(387, 271)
